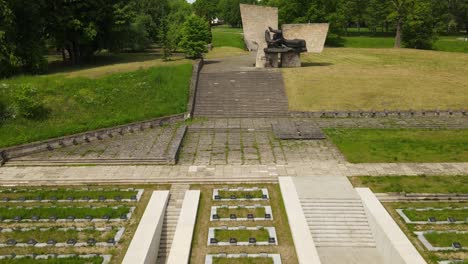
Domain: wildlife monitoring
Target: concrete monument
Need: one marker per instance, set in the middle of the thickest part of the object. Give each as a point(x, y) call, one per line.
point(314, 34)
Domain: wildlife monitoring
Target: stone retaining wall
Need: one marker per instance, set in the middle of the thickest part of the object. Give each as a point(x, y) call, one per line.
point(197, 67)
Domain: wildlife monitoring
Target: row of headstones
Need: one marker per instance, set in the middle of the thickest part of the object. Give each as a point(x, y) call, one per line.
point(106, 258)
point(432, 219)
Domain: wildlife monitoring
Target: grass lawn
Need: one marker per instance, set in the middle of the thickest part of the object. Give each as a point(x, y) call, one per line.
point(58, 235)
point(200, 248)
point(62, 212)
point(70, 260)
point(446, 239)
point(242, 235)
point(226, 42)
point(240, 212)
point(242, 261)
point(341, 79)
point(413, 184)
point(401, 145)
point(240, 194)
point(80, 104)
point(442, 215)
point(63, 194)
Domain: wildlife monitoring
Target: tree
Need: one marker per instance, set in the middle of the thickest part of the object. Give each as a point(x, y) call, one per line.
point(376, 14)
point(206, 9)
point(418, 28)
point(9, 63)
point(229, 11)
point(179, 11)
point(399, 12)
point(195, 36)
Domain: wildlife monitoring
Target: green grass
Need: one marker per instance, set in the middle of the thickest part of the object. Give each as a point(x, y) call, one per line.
point(413, 184)
point(227, 37)
point(71, 260)
point(62, 212)
point(58, 235)
point(446, 239)
point(401, 145)
point(241, 212)
point(442, 215)
point(80, 104)
point(242, 235)
point(240, 194)
point(242, 261)
point(62, 194)
point(368, 42)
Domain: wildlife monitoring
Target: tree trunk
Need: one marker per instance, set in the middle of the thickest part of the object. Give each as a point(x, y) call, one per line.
point(398, 33)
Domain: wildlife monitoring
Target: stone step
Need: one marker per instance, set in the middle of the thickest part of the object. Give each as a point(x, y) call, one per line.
point(337, 225)
point(341, 231)
point(332, 213)
point(343, 236)
point(346, 244)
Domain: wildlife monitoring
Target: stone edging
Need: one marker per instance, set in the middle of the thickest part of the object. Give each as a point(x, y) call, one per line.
point(50, 144)
point(275, 257)
point(392, 113)
point(430, 247)
point(197, 66)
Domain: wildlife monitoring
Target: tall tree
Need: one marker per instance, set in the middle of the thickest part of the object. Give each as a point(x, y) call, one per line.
point(400, 10)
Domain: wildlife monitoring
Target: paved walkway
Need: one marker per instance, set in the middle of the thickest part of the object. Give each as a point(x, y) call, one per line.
point(232, 87)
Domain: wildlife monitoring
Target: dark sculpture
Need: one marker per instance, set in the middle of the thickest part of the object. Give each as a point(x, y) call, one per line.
point(280, 44)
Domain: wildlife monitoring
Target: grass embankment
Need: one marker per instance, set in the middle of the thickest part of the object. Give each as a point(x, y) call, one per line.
point(242, 235)
point(413, 184)
point(62, 212)
point(70, 260)
point(242, 261)
point(342, 79)
point(440, 215)
point(63, 194)
point(226, 42)
point(241, 212)
point(446, 239)
point(58, 235)
point(78, 104)
point(401, 145)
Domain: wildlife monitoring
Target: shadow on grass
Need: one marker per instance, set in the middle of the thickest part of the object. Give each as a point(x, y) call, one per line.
point(211, 61)
point(316, 64)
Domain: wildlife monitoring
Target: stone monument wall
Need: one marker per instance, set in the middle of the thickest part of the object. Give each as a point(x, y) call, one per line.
point(314, 34)
point(255, 20)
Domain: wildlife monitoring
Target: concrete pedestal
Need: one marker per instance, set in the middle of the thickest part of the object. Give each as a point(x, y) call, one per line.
point(290, 59)
point(272, 60)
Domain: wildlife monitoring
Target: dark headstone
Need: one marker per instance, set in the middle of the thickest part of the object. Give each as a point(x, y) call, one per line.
point(101, 198)
point(457, 245)
point(71, 241)
point(124, 217)
point(52, 218)
point(431, 219)
point(70, 217)
point(213, 241)
point(17, 218)
point(451, 220)
point(217, 197)
point(53, 198)
point(118, 198)
point(11, 242)
point(232, 241)
point(70, 198)
point(51, 242)
point(250, 216)
point(271, 240)
point(111, 241)
point(91, 241)
point(88, 217)
point(31, 242)
point(133, 197)
point(38, 198)
point(267, 216)
point(86, 198)
point(5, 199)
point(22, 198)
point(215, 217)
point(264, 196)
point(106, 217)
point(233, 197)
point(35, 217)
point(248, 196)
point(252, 240)
point(233, 216)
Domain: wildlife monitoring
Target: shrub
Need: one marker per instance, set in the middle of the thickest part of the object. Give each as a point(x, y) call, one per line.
point(195, 36)
point(29, 104)
point(4, 113)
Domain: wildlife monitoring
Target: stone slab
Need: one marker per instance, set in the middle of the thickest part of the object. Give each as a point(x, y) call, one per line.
point(305, 246)
point(182, 242)
point(392, 243)
point(286, 129)
point(145, 243)
point(314, 34)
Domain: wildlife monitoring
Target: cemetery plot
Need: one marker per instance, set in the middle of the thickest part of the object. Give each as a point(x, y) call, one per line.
point(228, 231)
point(423, 216)
point(262, 258)
point(242, 236)
point(56, 259)
point(443, 240)
point(241, 194)
point(70, 195)
point(67, 213)
point(241, 213)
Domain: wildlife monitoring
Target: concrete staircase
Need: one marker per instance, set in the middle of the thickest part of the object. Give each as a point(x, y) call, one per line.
point(338, 222)
point(177, 193)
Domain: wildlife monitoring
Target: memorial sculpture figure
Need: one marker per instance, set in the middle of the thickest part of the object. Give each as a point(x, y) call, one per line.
point(279, 44)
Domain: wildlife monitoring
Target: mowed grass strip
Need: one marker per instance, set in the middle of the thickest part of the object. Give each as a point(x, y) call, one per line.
point(401, 145)
point(62, 212)
point(63, 194)
point(446, 239)
point(227, 42)
point(413, 184)
point(240, 212)
point(440, 215)
point(242, 235)
point(70, 260)
point(242, 261)
point(80, 104)
point(240, 194)
point(342, 79)
point(58, 235)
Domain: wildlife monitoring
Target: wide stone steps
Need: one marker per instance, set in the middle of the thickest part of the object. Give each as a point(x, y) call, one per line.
point(337, 222)
point(177, 193)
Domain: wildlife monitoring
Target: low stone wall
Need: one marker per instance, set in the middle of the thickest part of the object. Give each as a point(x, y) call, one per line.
point(182, 242)
point(144, 246)
point(50, 144)
point(393, 113)
point(197, 67)
point(392, 243)
point(303, 242)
